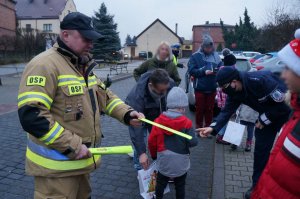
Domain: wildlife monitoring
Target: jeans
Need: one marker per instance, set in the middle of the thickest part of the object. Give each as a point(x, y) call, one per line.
point(264, 139)
point(162, 182)
point(136, 159)
point(204, 108)
point(250, 129)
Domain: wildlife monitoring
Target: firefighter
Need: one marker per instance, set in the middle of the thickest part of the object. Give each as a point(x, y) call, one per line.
point(59, 105)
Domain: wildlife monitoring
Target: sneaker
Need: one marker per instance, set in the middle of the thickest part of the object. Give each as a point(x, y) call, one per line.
point(220, 140)
point(233, 147)
point(248, 194)
point(248, 146)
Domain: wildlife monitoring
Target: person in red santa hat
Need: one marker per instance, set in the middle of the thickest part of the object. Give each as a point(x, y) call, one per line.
point(281, 176)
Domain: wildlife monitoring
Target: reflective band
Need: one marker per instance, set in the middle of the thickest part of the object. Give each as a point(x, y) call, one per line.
point(291, 147)
point(112, 105)
point(92, 80)
point(45, 152)
point(70, 79)
point(60, 165)
point(34, 96)
point(53, 134)
point(265, 120)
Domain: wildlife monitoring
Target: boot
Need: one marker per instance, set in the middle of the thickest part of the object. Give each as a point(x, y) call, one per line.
point(219, 140)
point(248, 145)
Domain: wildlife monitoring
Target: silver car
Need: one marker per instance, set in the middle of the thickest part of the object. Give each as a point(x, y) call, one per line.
point(242, 64)
point(270, 63)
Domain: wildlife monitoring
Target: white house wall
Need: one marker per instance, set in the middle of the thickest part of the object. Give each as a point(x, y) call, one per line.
point(154, 35)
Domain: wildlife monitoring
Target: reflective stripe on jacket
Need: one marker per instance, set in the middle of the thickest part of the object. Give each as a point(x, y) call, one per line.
point(60, 110)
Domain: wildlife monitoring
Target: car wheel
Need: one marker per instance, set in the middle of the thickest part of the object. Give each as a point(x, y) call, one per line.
point(192, 108)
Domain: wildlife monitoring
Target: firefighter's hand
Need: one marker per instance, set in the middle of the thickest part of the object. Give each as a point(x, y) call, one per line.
point(204, 132)
point(135, 122)
point(259, 125)
point(144, 161)
point(83, 153)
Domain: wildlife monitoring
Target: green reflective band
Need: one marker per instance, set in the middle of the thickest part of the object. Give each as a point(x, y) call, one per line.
point(69, 79)
point(60, 165)
point(53, 134)
point(112, 105)
point(166, 128)
point(34, 96)
point(111, 150)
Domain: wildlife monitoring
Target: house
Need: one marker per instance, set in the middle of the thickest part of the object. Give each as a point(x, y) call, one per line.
point(7, 18)
point(150, 38)
point(213, 29)
point(43, 15)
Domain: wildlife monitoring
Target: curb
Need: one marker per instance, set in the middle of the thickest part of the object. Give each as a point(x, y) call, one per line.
point(218, 188)
point(121, 77)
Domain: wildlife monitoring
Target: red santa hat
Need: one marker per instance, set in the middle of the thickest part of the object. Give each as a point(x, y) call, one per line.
point(290, 54)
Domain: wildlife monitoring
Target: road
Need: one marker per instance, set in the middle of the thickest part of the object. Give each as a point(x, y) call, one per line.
point(116, 178)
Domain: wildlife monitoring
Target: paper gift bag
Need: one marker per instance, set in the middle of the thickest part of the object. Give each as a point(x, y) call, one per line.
point(147, 182)
point(234, 133)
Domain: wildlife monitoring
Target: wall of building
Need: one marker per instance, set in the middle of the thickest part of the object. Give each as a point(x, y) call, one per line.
point(38, 24)
point(154, 36)
point(7, 18)
point(215, 32)
point(70, 7)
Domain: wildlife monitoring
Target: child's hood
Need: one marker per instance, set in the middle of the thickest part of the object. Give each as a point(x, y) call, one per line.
point(178, 123)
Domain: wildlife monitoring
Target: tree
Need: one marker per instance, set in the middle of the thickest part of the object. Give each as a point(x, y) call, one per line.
point(219, 47)
point(128, 39)
point(104, 24)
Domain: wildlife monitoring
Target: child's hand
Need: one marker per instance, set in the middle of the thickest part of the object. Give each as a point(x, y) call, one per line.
point(144, 161)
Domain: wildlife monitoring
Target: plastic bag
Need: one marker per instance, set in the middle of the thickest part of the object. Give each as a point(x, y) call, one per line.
point(147, 182)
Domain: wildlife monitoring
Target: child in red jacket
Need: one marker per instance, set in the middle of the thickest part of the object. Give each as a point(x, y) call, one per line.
point(172, 151)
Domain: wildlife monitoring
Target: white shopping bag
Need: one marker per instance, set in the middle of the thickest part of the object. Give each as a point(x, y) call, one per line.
point(147, 182)
point(234, 133)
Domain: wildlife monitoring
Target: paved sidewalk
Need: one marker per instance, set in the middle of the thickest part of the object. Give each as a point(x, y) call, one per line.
point(233, 171)
point(116, 178)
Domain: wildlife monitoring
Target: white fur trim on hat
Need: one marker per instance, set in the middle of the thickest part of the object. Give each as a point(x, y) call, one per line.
point(289, 57)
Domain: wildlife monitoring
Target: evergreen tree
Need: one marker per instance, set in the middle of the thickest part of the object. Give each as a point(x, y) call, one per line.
point(104, 24)
point(219, 47)
point(128, 39)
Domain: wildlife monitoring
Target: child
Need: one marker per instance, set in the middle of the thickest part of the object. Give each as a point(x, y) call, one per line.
point(172, 151)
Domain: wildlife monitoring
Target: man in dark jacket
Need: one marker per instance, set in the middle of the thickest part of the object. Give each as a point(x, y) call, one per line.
point(265, 93)
point(149, 97)
point(203, 66)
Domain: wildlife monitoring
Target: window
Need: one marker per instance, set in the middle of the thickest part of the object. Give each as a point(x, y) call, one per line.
point(28, 27)
point(47, 28)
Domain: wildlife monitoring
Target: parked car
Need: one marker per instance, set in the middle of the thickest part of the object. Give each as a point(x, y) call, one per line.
point(266, 57)
point(242, 64)
point(273, 64)
point(250, 54)
point(143, 54)
point(256, 57)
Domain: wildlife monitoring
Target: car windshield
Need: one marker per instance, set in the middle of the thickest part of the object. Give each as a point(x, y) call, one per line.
point(249, 54)
point(265, 58)
point(242, 65)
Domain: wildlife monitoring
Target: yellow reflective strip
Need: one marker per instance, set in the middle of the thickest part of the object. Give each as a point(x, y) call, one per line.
point(114, 106)
point(47, 135)
point(92, 83)
point(60, 165)
point(111, 103)
point(34, 99)
point(166, 128)
point(68, 83)
point(56, 136)
point(66, 76)
point(111, 150)
point(35, 93)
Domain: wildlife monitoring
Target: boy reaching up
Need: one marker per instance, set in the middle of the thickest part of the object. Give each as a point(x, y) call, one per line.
point(170, 150)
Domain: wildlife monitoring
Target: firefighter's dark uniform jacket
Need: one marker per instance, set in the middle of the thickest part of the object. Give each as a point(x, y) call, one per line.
point(60, 109)
point(262, 91)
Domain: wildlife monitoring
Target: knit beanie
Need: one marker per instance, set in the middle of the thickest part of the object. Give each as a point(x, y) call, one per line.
point(177, 98)
point(290, 54)
point(226, 75)
point(229, 58)
point(207, 41)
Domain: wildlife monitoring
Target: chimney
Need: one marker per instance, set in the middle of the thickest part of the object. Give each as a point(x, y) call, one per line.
point(207, 22)
point(176, 28)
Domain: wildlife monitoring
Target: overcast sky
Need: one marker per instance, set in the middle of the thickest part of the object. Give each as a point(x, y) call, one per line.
point(133, 16)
